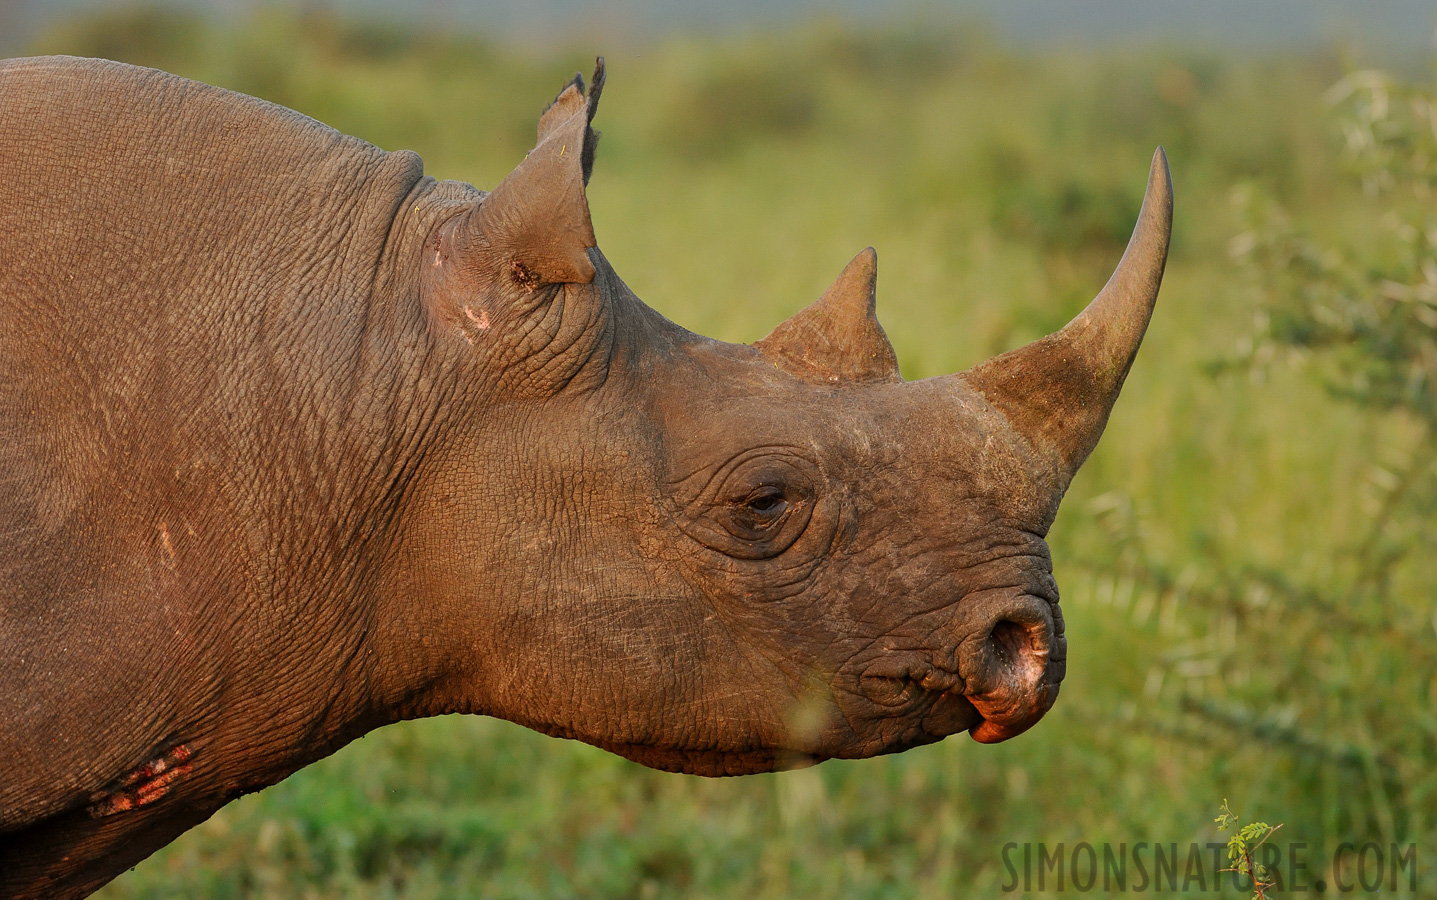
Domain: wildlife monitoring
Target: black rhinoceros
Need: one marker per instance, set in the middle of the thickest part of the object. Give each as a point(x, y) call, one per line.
point(296, 442)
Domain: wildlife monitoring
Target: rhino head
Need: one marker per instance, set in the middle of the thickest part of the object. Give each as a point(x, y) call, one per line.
point(724, 558)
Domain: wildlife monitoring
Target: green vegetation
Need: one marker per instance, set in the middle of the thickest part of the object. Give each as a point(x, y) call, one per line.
point(1246, 560)
point(1242, 846)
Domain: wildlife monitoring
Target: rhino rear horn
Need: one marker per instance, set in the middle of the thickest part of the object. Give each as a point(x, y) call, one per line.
point(1058, 391)
point(536, 222)
point(838, 338)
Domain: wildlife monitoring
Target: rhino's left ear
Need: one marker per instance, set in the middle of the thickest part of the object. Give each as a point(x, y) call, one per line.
point(534, 228)
point(837, 338)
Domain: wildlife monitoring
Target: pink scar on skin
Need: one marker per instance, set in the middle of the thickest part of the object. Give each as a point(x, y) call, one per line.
point(143, 786)
point(165, 539)
point(481, 321)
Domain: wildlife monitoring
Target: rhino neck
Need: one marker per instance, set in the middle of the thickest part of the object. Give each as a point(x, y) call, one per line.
point(393, 400)
point(337, 432)
point(479, 540)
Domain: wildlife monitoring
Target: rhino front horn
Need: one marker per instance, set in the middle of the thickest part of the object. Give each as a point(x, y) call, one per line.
point(1057, 392)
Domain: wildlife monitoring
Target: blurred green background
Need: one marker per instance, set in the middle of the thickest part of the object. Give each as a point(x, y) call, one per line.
point(1246, 561)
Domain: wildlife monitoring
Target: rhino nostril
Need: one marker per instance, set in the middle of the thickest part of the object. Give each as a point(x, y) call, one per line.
point(1019, 650)
point(1008, 670)
point(1008, 639)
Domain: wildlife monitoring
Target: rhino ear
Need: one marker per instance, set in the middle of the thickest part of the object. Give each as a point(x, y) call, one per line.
point(571, 101)
point(535, 225)
point(837, 338)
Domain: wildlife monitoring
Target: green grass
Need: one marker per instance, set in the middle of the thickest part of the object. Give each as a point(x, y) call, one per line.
point(734, 181)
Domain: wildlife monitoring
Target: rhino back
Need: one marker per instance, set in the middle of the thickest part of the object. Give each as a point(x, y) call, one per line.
point(186, 308)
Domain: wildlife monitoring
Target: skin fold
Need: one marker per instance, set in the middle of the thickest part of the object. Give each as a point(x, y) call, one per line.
point(296, 442)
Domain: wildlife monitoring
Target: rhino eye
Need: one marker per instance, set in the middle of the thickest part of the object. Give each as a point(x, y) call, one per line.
point(767, 502)
point(756, 506)
point(758, 515)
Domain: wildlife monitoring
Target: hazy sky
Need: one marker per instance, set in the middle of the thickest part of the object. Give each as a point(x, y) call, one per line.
point(1406, 25)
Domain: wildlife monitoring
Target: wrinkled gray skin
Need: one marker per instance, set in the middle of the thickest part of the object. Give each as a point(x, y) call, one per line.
point(296, 442)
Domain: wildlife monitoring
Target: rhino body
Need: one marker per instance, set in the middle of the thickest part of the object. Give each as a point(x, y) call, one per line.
point(296, 442)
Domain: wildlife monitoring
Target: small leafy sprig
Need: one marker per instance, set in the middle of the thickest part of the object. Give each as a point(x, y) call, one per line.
point(1245, 841)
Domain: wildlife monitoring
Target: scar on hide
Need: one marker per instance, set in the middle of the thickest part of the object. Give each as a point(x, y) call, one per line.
point(165, 539)
point(480, 321)
point(143, 786)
